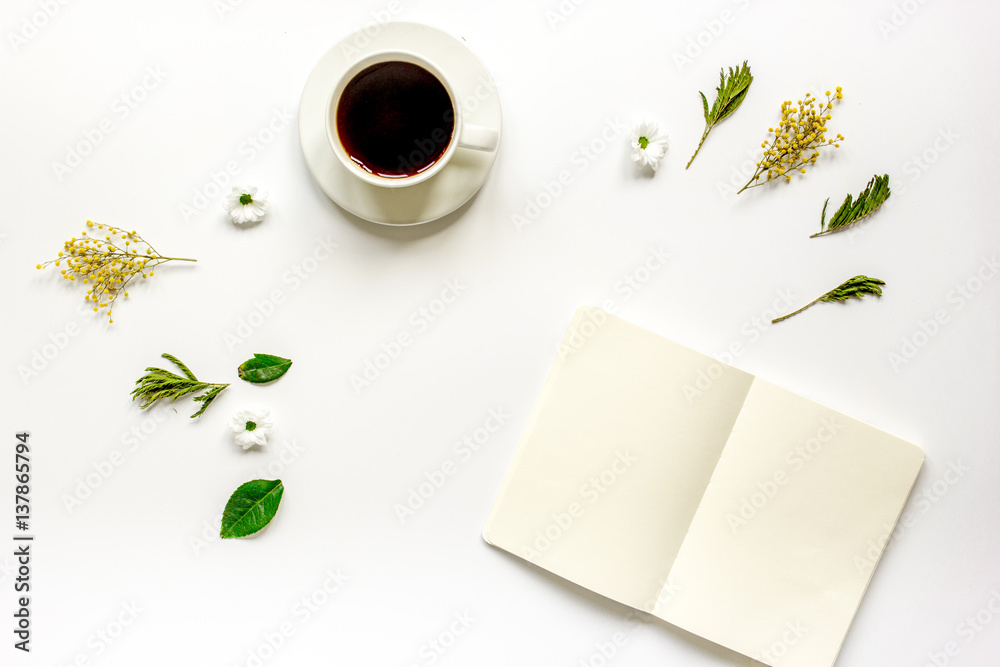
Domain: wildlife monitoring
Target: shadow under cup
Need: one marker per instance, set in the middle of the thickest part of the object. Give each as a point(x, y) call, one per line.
point(393, 122)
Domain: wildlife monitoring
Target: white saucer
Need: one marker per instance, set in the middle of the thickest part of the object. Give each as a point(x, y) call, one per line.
point(456, 182)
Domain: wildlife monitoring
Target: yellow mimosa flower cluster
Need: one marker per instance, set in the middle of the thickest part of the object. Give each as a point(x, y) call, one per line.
point(796, 141)
point(107, 259)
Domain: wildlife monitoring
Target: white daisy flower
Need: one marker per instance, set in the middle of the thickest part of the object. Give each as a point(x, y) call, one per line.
point(648, 144)
point(251, 427)
point(245, 205)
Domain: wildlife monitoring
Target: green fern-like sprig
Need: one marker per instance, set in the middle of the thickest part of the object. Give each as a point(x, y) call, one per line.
point(856, 287)
point(158, 383)
point(731, 92)
point(851, 211)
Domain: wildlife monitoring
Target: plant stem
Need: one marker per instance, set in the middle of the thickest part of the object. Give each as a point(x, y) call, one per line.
point(844, 226)
point(703, 137)
point(785, 317)
point(748, 184)
point(179, 259)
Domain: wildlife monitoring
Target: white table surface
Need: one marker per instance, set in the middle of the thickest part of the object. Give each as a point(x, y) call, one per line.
point(133, 575)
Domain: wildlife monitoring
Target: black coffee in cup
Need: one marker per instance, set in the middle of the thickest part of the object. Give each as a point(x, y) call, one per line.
point(395, 119)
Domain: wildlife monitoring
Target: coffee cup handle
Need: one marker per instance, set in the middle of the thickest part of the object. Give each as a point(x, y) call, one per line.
point(478, 137)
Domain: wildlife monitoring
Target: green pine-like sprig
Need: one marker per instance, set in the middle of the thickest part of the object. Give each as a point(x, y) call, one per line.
point(851, 211)
point(856, 287)
point(158, 383)
point(730, 94)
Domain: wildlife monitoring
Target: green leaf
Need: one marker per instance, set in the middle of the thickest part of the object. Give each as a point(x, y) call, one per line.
point(251, 507)
point(735, 90)
point(264, 368)
point(730, 93)
point(187, 371)
point(159, 383)
point(851, 211)
point(207, 398)
point(853, 288)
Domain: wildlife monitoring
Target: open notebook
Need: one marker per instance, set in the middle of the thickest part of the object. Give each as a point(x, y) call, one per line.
point(723, 504)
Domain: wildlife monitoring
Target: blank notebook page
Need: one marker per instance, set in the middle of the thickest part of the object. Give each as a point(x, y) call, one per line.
point(615, 458)
point(774, 564)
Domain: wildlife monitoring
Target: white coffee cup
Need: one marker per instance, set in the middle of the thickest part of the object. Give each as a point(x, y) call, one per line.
point(463, 136)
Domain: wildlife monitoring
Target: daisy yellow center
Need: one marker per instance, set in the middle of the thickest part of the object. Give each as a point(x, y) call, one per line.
point(251, 425)
point(247, 199)
point(643, 142)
